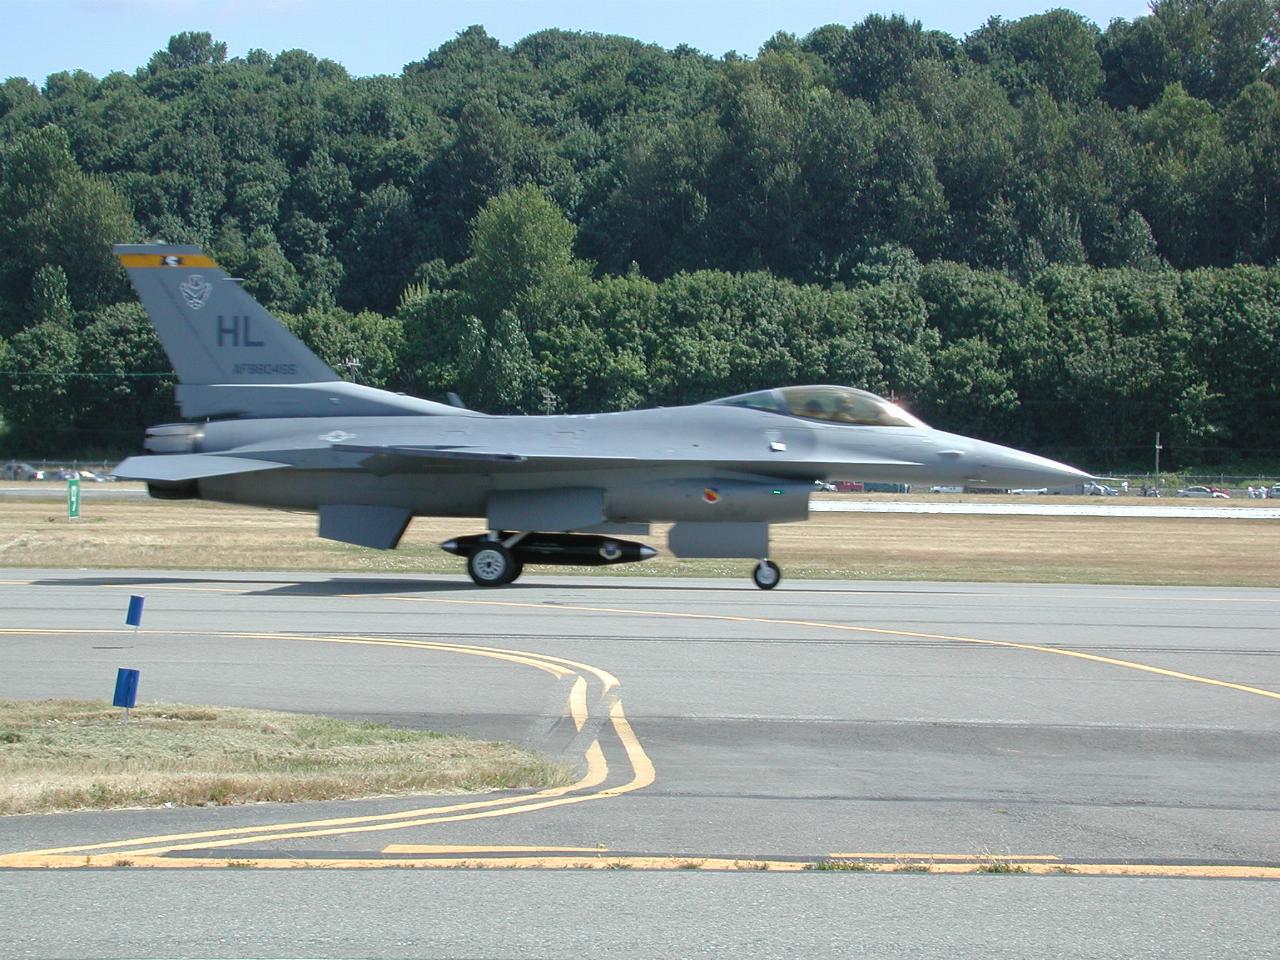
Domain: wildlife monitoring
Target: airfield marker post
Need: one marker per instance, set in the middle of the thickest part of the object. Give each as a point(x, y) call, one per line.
point(126, 694)
point(127, 679)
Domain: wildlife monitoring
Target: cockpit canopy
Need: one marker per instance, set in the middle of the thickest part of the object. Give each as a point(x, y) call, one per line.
point(832, 404)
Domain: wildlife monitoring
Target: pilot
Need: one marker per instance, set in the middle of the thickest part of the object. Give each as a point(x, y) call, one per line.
point(814, 408)
point(846, 412)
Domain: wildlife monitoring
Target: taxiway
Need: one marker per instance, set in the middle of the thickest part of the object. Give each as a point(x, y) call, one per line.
point(1048, 729)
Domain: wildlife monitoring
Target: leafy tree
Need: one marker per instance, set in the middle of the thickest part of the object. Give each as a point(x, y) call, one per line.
point(1059, 51)
point(522, 260)
point(876, 54)
point(52, 213)
point(40, 397)
point(126, 384)
point(49, 291)
point(365, 347)
point(191, 49)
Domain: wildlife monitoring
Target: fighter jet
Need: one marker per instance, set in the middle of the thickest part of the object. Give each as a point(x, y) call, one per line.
point(269, 424)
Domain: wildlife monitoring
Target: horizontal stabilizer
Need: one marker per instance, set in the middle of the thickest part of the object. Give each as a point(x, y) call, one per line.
point(189, 466)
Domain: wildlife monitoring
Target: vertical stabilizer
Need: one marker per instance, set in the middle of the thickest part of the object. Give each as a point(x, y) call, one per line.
point(211, 329)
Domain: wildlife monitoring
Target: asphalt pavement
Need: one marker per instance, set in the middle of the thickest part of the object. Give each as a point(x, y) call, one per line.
point(1040, 732)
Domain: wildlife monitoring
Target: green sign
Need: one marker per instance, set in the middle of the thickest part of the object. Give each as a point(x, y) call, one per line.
point(73, 498)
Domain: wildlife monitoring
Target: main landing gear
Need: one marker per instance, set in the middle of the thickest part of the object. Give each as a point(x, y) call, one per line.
point(492, 564)
point(497, 558)
point(766, 575)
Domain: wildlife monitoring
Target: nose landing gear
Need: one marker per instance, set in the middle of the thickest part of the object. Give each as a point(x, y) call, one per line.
point(766, 575)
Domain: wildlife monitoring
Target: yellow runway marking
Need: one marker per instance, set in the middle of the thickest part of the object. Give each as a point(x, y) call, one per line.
point(482, 848)
point(578, 703)
point(848, 628)
point(596, 775)
point(148, 851)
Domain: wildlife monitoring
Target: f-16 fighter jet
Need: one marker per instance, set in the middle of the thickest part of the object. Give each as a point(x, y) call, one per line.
point(269, 424)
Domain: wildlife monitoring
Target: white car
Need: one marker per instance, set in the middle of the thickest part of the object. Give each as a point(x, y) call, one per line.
point(1205, 492)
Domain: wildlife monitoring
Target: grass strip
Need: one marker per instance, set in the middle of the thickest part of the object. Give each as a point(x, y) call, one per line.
point(847, 546)
point(60, 755)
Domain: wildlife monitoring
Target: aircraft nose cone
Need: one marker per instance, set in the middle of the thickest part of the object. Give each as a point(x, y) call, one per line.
point(992, 464)
point(646, 552)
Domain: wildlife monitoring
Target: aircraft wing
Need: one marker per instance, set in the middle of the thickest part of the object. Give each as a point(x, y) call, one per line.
point(479, 454)
point(189, 466)
point(392, 458)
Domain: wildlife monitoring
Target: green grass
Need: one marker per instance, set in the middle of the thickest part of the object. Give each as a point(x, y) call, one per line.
point(70, 755)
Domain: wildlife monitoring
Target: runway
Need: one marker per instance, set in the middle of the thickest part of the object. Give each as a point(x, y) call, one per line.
point(1023, 729)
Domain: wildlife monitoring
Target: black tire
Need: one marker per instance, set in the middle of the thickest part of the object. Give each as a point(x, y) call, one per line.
point(517, 568)
point(766, 575)
point(492, 565)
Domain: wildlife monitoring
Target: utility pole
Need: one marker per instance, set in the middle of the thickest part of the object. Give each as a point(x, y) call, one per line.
point(1158, 461)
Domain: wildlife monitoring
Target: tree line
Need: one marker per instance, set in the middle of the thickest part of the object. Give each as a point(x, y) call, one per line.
point(1045, 233)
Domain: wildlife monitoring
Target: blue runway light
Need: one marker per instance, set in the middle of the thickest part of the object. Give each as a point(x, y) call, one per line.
point(134, 617)
point(126, 688)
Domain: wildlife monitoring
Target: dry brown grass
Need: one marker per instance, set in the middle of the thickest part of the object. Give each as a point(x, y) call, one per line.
point(195, 535)
point(70, 755)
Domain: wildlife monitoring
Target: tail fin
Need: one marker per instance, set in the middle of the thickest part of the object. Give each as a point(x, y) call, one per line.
point(231, 356)
point(212, 330)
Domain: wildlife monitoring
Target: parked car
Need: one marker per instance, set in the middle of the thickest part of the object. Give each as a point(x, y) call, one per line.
point(1094, 489)
point(20, 471)
point(1204, 492)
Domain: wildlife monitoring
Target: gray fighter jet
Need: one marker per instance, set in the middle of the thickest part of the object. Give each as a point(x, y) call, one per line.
point(272, 426)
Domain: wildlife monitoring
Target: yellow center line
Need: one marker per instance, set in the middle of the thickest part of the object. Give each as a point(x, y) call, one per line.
point(878, 631)
point(597, 766)
point(597, 771)
point(644, 775)
point(578, 703)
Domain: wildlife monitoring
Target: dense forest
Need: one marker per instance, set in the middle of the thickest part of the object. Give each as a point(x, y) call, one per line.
point(1046, 233)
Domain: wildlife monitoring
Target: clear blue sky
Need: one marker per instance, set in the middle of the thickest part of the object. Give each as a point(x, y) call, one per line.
point(40, 37)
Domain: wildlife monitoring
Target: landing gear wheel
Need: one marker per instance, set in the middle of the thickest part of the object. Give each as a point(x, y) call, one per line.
point(766, 575)
point(492, 565)
point(517, 568)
